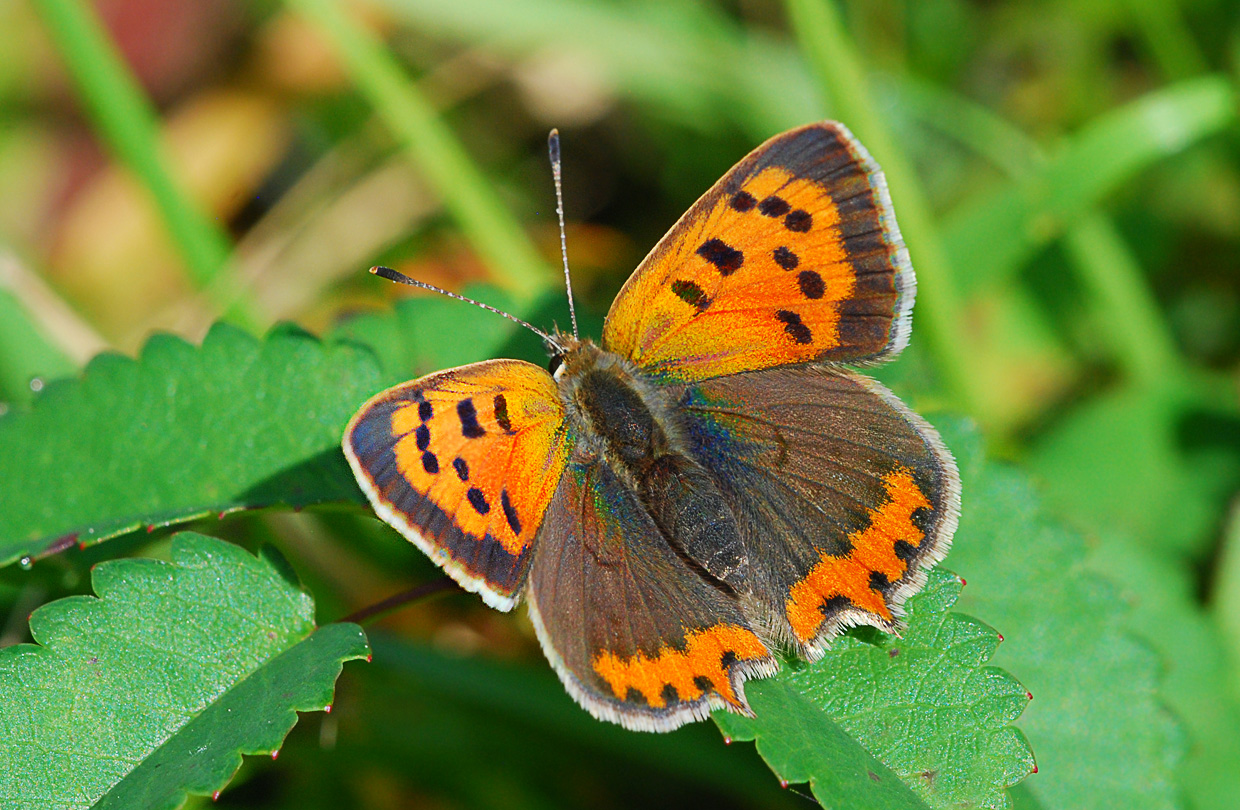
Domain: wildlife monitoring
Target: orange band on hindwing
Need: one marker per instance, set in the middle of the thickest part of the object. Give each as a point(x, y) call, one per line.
point(873, 552)
point(701, 666)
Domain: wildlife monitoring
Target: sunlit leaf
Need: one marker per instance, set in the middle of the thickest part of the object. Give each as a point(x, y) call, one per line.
point(157, 685)
point(181, 432)
point(922, 708)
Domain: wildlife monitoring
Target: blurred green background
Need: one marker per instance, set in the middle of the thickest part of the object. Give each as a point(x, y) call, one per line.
point(1067, 176)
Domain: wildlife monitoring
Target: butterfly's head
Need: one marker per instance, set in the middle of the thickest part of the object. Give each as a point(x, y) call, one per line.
point(568, 352)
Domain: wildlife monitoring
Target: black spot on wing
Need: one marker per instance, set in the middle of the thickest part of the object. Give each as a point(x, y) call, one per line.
point(811, 284)
point(799, 221)
point(501, 413)
point(743, 201)
point(691, 294)
point(726, 259)
point(774, 206)
point(786, 259)
point(430, 462)
point(423, 435)
point(510, 513)
point(478, 500)
point(462, 468)
point(834, 605)
point(468, 414)
point(425, 410)
point(797, 330)
point(635, 697)
point(905, 550)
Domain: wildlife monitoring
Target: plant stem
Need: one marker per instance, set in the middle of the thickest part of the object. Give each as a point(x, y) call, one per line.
point(494, 233)
point(1226, 607)
point(1137, 332)
point(372, 613)
point(128, 124)
point(821, 34)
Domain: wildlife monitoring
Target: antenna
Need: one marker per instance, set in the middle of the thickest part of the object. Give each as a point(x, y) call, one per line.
point(401, 278)
point(553, 147)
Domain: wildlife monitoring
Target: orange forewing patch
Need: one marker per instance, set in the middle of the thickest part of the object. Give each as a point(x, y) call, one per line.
point(873, 549)
point(752, 281)
point(487, 445)
point(739, 290)
point(703, 657)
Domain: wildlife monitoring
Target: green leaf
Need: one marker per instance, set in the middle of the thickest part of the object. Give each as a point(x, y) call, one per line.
point(180, 433)
point(409, 339)
point(157, 686)
point(1133, 445)
point(1200, 678)
point(878, 709)
point(1102, 735)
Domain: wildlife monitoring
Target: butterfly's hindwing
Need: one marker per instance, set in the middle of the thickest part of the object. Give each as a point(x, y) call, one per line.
point(793, 256)
point(843, 496)
point(463, 463)
point(636, 635)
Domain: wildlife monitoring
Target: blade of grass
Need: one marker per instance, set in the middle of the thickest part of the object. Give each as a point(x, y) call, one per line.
point(129, 126)
point(993, 234)
point(1135, 328)
point(26, 350)
point(1226, 607)
point(70, 337)
point(820, 32)
point(1168, 38)
point(662, 57)
point(494, 233)
point(1121, 298)
point(25, 353)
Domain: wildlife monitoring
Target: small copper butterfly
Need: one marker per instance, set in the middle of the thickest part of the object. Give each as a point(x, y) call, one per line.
point(709, 484)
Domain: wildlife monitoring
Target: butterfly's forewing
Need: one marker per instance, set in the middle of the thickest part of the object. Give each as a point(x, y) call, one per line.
point(843, 495)
point(793, 256)
point(636, 635)
point(463, 463)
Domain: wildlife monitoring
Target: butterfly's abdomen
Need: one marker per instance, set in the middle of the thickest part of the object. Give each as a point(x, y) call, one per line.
point(687, 505)
point(625, 424)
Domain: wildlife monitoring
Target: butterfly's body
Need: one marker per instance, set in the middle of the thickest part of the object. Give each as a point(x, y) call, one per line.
point(628, 422)
point(707, 485)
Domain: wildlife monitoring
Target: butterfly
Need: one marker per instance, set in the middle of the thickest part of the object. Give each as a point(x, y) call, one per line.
point(709, 485)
